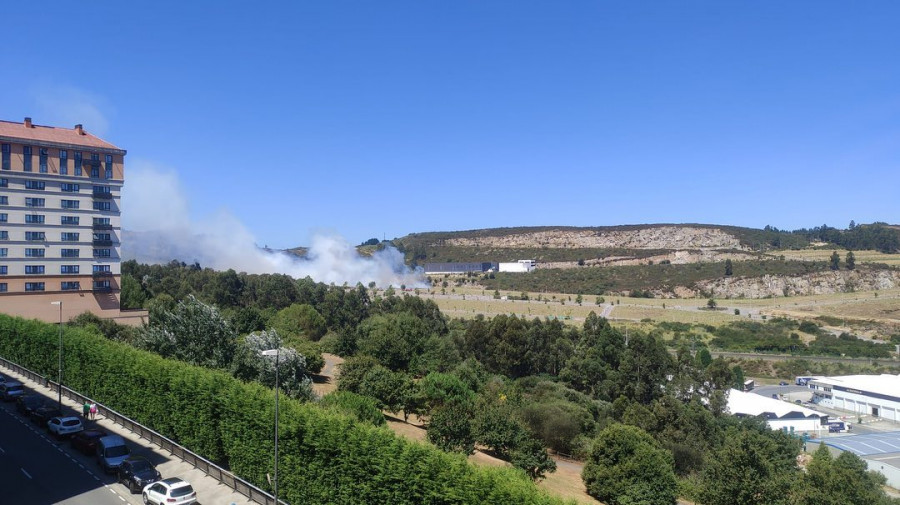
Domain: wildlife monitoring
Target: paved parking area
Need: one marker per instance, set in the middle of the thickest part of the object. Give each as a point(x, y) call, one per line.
point(867, 445)
point(209, 490)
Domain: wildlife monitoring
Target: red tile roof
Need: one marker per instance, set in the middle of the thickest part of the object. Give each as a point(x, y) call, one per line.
point(52, 134)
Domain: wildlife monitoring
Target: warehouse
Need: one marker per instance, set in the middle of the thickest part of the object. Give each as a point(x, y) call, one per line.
point(873, 395)
point(779, 415)
point(518, 266)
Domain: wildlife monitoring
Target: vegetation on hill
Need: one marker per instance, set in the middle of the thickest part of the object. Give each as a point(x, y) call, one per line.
point(641, 278)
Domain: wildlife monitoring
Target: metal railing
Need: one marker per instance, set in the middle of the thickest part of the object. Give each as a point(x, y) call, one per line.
point(221, 475)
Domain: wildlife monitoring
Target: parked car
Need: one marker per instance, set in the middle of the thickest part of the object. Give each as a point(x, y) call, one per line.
point(137, 473)
point(26, 404)
point(41, 415)
point(782, 383)
point(63, 426)
point(111, 452)
point(10, 390)
point(86, 440)
point(2, 378)
point(169, 491)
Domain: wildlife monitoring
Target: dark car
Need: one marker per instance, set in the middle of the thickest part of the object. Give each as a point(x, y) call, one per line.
point(782, 383)
point(26, 404)
point(136, 473)
point(41, 415)
point(86, 441)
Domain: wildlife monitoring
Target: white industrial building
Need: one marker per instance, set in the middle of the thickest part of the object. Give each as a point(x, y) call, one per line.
point(873, 395)
point(779, 415)
point(519, 266)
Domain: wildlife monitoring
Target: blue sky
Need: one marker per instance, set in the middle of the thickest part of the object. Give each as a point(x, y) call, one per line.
point(374, 119)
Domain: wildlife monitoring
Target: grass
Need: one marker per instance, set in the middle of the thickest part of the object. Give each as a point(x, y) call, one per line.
point(825, 255)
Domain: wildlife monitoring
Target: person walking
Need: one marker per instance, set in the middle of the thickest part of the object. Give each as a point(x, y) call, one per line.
point(85, 409)
point(93, 410)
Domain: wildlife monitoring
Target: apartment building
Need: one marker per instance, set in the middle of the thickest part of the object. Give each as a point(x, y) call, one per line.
point(60, 221)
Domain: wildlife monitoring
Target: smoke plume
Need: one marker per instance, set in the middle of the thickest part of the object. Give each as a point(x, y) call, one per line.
point(154, 215)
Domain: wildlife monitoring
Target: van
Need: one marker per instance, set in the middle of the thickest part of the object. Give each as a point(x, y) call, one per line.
point(111, 452)
point(10, 390)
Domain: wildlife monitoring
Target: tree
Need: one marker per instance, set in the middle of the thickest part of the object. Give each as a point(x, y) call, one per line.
point(627, 466)
point(299, 319)
point(728, 268)
point(755, 465)
point(193, 332)
point(835, 261)
point(250, 364)
point(711, 304)
point(579, 299)
point(531, 456)
point(450, 429)
point(851, 260)
point(845, 480)
point(132, 294)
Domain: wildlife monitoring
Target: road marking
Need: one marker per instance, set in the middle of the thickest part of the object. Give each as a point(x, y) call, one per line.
point(26, 473)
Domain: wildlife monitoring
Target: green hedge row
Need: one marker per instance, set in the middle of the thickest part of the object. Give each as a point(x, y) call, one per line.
point(324, 457)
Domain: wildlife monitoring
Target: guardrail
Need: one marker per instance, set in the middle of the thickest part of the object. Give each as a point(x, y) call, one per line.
point(222, 475)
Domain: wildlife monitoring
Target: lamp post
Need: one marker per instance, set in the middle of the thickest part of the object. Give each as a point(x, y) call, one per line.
point(59, 378)
point(275, 352)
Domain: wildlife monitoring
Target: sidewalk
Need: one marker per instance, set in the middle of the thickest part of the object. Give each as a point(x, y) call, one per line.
point(209, 490)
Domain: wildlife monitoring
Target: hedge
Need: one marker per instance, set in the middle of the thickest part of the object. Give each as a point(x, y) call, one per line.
point(324, 457)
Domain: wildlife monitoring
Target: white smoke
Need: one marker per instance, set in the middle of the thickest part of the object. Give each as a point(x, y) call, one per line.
point(155, 215)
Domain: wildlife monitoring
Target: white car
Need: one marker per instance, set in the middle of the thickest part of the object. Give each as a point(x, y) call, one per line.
point(169, 491)
point(60, 426)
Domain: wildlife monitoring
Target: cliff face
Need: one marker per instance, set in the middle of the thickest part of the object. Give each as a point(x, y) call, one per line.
point(661, 237)
point(842, 281)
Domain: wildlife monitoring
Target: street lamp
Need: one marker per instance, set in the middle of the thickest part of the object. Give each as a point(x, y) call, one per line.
point(275, 352)
point(59, 381)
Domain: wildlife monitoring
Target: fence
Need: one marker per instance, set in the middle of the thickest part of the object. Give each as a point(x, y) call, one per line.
point(222, 475)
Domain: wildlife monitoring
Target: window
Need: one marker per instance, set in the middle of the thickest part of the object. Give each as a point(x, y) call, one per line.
point(4, 270)
point(70, 285)
point(101, 285)
point(42, 160)
point(34, 269)
point(3, 252)
point(69, 204)
point(69, 253)
point(34, 286)
point(100, 253)
point(3, 218)
point(63, 162)
point(34, 218)
point(102, 190)
point(34, 235)
point(34, 202)
point(95, 165)
point(101, 206)
point(69, 220)
point(3, 287)
point(39, 185)
point(4, 200)
point(34, 253)
point(101, 269)
point(4, 183)
point(109, 166)
point(101, 222)
point(68, 236)
point(77, 162)
point(5, 156)
point(4, 235)
point(103, 236)
point(27, 152)
point(70, 188)
point(68, 269)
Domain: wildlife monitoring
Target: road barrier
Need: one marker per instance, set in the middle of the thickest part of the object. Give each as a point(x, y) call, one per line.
point(222, 475)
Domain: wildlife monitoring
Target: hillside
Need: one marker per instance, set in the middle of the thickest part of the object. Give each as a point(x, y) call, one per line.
point(661, 260)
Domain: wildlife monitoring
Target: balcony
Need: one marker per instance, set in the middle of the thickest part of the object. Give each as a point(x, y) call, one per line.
point(102, 226)
point(102, 195)
point(101, 289)
point(102, 243)
point(101, 273)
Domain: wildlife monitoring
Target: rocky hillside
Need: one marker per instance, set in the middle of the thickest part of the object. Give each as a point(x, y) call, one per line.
point(819, 283)
point(659, 237)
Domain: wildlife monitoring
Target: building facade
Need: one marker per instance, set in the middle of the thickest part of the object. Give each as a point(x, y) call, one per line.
point(60, 221)
point(869, 395)
point(459, 268)
point(519, 266)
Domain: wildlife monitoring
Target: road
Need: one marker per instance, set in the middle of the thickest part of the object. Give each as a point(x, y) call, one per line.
point(782, 357)
point(37, 469)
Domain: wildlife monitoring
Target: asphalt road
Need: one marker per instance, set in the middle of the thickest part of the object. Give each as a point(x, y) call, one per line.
point(36, 469)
